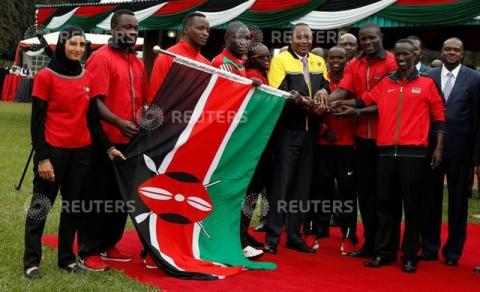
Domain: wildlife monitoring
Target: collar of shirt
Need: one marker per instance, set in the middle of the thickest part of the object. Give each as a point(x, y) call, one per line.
point(381, 54)
point(454, 72)
point(397, 76)
point(332, 80)
point(295, 55)
point(115, 45)
point(229, 55)
point(418, 66)
point(444, 76)
point(188, 48)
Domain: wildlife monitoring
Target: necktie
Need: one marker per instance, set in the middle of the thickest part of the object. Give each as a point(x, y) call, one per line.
point(448, 86)
point(306, 73)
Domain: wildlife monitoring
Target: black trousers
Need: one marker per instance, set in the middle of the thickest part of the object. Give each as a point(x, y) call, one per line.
point(71, 168)
point(261, 181)
point(105, 224)
point(400, 180)
point(366, 158)
point(291, 179)
point(334, 163)
point(457, 173)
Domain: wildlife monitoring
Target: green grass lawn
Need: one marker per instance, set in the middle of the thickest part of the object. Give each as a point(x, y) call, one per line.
point(14, 148)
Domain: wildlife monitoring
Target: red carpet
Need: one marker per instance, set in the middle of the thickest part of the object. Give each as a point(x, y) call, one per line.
point(325, 271)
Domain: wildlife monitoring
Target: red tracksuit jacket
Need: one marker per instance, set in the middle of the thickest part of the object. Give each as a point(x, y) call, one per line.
point(405, 108)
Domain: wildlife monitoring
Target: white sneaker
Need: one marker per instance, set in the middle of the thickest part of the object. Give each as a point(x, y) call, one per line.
point(252, 253)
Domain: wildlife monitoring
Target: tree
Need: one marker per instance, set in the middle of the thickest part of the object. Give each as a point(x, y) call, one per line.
point(15, 18)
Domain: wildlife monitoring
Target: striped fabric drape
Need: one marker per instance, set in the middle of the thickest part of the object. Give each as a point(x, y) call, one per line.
point(319, 14)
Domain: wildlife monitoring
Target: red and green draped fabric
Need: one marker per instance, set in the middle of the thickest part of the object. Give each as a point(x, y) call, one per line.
point(44, 15)
point(171, 14)
point(335, 13)
point(277, 13)
point(429, 12)
point(188, 169)
point(88, 17)
point(319, 14)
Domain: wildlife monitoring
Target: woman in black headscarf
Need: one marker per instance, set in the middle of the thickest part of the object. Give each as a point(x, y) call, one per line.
point(64, 124)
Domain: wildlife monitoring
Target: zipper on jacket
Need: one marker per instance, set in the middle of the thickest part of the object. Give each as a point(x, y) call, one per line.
point(397, 122)
point(132, 89)
point(369, 131)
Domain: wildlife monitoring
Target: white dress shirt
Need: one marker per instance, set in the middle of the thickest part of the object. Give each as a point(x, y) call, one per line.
point(418, 66)
point(445, 77)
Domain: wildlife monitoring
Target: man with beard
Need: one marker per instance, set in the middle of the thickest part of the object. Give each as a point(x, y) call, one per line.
point(196, 30)
point(461, 90)
point(361, 75)
point(294, 137)
point(409, 105)
point(121, 85)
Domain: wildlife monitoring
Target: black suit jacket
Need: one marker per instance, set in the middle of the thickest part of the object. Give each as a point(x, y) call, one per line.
point(462, 129)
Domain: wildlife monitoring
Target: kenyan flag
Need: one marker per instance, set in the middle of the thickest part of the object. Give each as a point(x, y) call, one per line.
point(189, 168)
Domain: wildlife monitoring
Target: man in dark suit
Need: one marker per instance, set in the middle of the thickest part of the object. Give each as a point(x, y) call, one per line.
point(418, 46)
point(461, 90)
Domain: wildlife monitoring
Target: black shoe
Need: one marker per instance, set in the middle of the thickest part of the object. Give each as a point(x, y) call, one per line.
point(476, 269)
point(378, 262)
point(73, 268)
point(427, 258)
point(451, 263)
point(300, 246)
point(270, 249)
point(409, 266)
point(363, 253)
point(33, 273)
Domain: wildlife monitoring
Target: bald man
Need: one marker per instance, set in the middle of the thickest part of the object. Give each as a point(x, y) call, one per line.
point(349, 42)
point(461, 90)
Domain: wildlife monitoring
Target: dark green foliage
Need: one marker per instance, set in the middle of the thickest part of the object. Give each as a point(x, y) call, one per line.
point(15, 17)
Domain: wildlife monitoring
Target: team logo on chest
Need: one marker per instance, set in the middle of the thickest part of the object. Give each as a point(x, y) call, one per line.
point(416, 90)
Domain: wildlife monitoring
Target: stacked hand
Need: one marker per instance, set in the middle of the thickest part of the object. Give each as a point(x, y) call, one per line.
point(342, 108)
point(314, 105)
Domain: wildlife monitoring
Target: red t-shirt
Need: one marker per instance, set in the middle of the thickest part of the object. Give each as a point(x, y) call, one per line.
point(361, 76)
point(120, 78)
point(68, 99)
point(254, 73)
point(342, 127)
point(228, 62)
point(163, 62)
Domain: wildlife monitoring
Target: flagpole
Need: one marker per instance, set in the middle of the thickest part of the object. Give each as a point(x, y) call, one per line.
point(212, 70)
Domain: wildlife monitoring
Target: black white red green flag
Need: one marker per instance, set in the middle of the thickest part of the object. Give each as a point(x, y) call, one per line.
point(189, 168)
